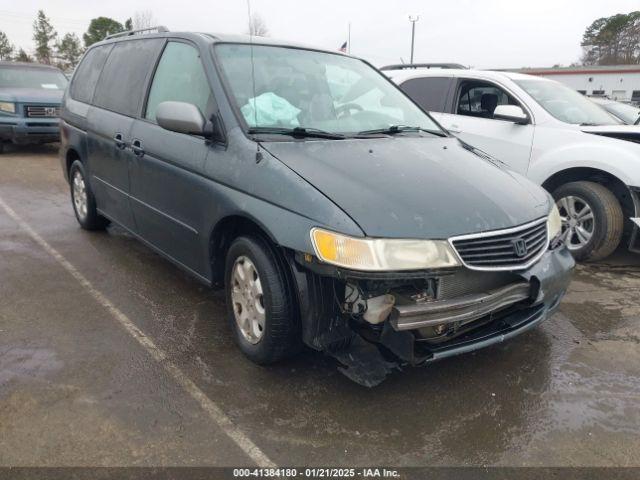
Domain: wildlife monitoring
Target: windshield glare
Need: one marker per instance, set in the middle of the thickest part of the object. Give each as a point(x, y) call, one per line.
point(27, 77)
point(566, 104)
point(314, 90)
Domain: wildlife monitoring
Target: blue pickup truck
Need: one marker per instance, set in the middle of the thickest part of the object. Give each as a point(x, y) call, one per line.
point(30, 97)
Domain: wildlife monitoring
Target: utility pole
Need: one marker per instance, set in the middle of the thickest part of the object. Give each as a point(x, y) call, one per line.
point(413, 19)
point(349, 40)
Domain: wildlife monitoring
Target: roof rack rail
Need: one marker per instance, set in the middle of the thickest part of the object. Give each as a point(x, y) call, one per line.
point(407, 66)
point(159, 29)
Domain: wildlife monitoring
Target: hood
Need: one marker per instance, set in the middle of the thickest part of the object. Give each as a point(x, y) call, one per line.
point(629, 133)
point(409, 187)
point(31, 95)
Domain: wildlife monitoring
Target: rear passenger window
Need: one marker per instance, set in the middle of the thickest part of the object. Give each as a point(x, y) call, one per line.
point(179, 77)
point(86, 76)
point(430, 93)
point(122, 83)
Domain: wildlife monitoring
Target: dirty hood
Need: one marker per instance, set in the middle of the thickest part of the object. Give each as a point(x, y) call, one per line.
point(411, 187)
point(31, 95)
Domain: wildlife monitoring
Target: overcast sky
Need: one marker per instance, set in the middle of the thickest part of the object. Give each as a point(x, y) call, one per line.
point(480, 33)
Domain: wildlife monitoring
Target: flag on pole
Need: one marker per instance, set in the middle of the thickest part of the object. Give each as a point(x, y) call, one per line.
point(343, 48)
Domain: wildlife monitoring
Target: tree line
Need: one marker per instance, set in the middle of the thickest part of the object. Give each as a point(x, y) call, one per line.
point(613, 40)
point(64, 52)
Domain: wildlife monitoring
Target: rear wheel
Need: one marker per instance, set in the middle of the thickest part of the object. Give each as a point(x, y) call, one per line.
point(259, 302)
point(83, 201)
point(592, 219)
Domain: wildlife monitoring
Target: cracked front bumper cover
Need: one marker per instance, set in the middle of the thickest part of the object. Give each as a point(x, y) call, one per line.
point(549, 280)
point(458, 310)
point(368, 361)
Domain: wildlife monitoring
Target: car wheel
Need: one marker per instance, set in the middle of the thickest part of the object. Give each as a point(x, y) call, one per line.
point(83, 201)
point(260, 304)
point(592, 219)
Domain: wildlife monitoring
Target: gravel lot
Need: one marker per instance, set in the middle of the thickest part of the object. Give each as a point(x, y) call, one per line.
point(110, 355)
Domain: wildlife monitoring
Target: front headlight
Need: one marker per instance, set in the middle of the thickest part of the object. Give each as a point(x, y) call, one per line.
point(7, 107)
point(554, 223)
point(376, 254)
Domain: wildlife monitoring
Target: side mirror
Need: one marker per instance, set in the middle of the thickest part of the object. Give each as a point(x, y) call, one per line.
point(511, 113)
point(181, 117)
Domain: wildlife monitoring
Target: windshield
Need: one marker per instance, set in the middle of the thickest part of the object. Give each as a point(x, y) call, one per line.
point(627, 113)
point(28, 77)
point(566, 104)
point(306, 89)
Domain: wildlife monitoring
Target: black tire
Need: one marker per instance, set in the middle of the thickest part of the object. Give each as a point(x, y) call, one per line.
point(92, 220)
point(608, 219)
point(281, 333)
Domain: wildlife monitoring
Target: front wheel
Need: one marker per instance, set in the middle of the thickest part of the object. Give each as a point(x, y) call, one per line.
point(592, 219)
point(259, 302)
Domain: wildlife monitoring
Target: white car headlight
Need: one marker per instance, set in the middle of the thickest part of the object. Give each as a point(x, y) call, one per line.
point(554, 223)
point(377, 254)
point(7, 107)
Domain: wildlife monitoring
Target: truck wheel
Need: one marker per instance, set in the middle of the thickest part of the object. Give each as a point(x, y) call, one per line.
point(83, 201)
point(260, 304)
point(592, 219)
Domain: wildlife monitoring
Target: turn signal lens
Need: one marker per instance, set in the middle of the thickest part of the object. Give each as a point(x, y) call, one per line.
point(376, 254)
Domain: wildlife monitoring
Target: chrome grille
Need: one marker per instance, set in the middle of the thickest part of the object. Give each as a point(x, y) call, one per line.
point(42, 111)
point(508, 249)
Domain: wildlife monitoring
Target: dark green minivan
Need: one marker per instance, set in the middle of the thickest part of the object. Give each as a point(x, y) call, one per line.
point(334, 211)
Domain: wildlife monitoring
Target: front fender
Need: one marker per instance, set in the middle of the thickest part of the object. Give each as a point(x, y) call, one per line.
point(619, 158)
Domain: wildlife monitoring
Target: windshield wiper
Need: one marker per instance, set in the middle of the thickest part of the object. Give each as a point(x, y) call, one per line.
point(395, 129)
point(297, 132)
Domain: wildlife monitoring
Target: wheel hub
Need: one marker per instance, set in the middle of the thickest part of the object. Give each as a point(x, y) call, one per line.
point(578, 221)
point(247, 299)
point(79, 195)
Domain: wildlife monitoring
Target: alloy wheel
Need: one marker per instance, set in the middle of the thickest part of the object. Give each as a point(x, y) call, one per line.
point(578, 222)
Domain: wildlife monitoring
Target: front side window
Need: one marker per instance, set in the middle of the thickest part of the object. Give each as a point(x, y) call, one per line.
point(32, 77)
point(480, 99)
point(313, 90)
point(566, 104)
point(179, 77)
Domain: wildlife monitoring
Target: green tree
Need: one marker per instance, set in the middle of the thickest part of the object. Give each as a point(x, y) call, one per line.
point(23, 56)
point(69, 50)
point(6, 49)
point(128, 24)
point(99, 28)
point(43, 35)
point(612, 40)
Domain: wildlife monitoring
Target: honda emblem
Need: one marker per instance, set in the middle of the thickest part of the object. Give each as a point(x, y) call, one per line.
point(519, 247)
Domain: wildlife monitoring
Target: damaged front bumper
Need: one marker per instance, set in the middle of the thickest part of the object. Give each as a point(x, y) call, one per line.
point(435, 314)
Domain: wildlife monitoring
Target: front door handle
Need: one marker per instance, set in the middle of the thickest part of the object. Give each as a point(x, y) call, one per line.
point(136, 148)
point(118, 139)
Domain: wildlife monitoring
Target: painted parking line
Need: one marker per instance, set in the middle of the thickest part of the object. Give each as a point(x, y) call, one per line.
point(210, 407)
